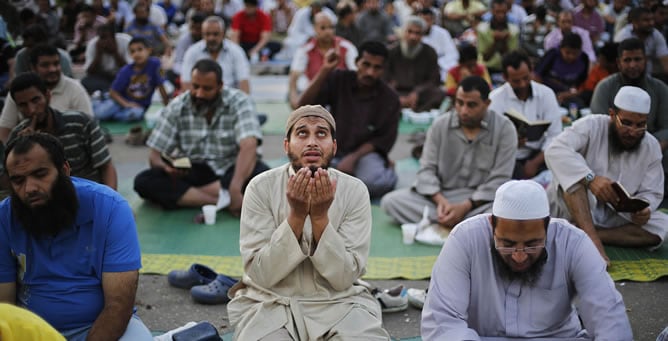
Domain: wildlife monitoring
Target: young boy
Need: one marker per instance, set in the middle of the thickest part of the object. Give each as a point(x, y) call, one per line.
point(132, 89)
point(468, 66)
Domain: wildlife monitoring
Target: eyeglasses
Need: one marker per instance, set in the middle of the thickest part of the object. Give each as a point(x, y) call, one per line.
point(631, 125)
point(530, 250)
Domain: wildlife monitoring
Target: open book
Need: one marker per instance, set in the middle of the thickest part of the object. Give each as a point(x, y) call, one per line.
point(532, 131)
point(627, 203)
point(177, 162)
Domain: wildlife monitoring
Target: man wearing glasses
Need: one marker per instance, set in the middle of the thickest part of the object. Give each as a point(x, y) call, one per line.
point(515, 274)
point(597, 151)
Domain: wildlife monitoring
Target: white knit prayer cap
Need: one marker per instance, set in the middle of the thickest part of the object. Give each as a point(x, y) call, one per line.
point(521, 200)
point(633, 99)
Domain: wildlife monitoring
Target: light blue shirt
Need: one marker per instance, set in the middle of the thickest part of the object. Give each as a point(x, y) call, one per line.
point(231, 58)
point(469, 300)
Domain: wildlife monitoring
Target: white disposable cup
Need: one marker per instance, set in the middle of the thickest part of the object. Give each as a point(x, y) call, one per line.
point(408, 232)
point(209, 214)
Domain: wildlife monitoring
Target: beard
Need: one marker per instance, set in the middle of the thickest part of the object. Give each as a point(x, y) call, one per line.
point(410, 52)
point(213, 47)
point(297, 165)
point(57, 214)
point(203, 105)
point(616, 143)
point(529, 276)
point(141, 21)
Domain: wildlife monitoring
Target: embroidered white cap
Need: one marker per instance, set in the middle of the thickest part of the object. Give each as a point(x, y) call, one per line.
point(633, 99)
point(521, 200)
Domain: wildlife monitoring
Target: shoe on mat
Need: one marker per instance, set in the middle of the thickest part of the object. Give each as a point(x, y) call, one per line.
point(214, 292)
point(197, 274)
point(135, 136)
point(416, 297)
point(392, 300)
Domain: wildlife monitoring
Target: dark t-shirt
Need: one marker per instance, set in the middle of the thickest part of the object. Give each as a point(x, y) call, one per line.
point(559, 75)
point(360, 118)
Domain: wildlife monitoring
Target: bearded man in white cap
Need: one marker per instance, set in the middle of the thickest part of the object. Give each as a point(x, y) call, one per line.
point(304, 240)
point(515, 274)
point(597, 151)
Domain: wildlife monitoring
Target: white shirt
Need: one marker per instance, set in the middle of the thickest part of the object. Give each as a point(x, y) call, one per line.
point(446, 50)
point(542, 105)
point(231, 58)
point(108, 61)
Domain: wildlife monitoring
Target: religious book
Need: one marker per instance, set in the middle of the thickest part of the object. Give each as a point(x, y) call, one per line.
point(182, 162)
point(532, 131)
point(627, 203)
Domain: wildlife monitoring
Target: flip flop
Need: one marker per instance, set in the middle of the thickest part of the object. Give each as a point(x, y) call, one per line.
point(214, 292)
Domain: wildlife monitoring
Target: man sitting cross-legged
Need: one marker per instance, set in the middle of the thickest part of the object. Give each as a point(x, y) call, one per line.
point(305, 238)
point(68, 246)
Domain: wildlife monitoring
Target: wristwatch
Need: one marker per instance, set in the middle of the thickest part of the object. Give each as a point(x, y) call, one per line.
point(588, 179)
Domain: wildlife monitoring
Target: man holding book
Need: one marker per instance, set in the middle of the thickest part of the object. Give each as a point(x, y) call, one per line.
point(217, 129)
point(536, 103)
point(598, 153)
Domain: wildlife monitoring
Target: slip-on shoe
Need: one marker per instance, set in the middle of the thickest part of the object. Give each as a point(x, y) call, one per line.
point(214, 292)
point(197, 274)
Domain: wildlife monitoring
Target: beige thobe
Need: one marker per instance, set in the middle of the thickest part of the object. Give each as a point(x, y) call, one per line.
point(584, 148)
point(294, 284)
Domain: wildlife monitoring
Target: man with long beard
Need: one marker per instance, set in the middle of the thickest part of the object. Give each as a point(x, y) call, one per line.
point(68, 247)
point(515, 274)
point(305, 238)
point(597, 151)
point(412, 69)
point(217, 129)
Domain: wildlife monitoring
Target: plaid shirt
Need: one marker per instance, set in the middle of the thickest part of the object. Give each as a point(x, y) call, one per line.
point(182, 128)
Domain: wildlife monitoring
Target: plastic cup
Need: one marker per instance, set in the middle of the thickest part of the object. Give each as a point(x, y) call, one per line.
point(209, 214)
point(408, 232)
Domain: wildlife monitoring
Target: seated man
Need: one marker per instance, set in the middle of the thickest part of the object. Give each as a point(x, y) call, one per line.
point(68, 247)
point(497, 37)
point(564, 27)
point(310, 58)
point(592, 154)
point(251, 29)
point(36, 35)
point(367, 113)
point(66, 93)
point(105, 55)
point(85, 148)
point(305, 238)
point(468, 154)
point(217, 129)
point(412, 69)
point(515, 275)
point(536, 102)
point(441, 41)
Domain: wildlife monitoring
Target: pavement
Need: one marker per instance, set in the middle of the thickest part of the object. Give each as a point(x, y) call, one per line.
point(163, 308)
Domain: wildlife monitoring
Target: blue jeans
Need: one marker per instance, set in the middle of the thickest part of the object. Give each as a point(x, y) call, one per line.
point(108, 109)
point(136, 330)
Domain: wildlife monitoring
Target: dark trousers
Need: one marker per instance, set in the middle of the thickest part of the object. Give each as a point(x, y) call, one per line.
point(518, 172)
point(154, 184)
point(270, 49)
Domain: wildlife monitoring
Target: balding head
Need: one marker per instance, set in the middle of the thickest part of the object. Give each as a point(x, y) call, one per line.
point(324, 28)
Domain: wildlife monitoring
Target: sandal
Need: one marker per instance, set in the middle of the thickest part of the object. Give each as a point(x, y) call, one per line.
point(214, 292)
point(197, 274)
point(392, 300)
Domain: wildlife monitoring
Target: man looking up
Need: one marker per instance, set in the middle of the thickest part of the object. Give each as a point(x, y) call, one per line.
point(305, 238)
point(68, 247)
point(515, 274)
point(366, 111)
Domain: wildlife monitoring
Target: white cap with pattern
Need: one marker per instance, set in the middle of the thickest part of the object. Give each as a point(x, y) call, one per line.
point(521, 200)
point(633, 99)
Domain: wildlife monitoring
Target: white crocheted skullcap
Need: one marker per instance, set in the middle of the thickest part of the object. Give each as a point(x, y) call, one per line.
point(633, 99)
point(521, 200)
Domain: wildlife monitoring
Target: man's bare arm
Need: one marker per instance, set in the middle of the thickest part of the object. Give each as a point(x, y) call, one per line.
point(8, 292)
point(119, 298)
point(108, 174)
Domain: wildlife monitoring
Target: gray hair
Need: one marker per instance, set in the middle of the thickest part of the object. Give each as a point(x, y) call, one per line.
point(414, 20)
point(215, 19)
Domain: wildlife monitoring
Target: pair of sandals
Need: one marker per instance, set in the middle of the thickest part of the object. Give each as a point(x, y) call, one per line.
point(206, 286)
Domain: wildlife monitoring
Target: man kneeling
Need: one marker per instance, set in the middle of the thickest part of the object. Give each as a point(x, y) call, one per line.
point(68, 247)
point(305, 236)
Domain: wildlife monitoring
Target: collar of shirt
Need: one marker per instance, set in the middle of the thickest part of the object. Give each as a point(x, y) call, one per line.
point(222, 49)
point(60, 86)
point(217, 106)
point(454, 120)
point(513, 95)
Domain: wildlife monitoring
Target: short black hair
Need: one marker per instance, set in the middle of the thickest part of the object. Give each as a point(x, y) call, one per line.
point(106, 28)
point(637, 12)
point(251, 2)
point(41, 50)
point(609, 50)
point(35, 32)
point(344, 10)
point(140, 40)
point(374, 48)
point(22, 144)
point(467, 53)
point(571, 40)
point(630, 44)
point(208, 65)
point(198, 18)
point(475, 83)
point(86, 8)
point(25, 81)
point(499, 2)
point(514, 59)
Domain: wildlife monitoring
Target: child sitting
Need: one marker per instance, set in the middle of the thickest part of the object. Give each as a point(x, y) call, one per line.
point(468, 66)
point(131, 92)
